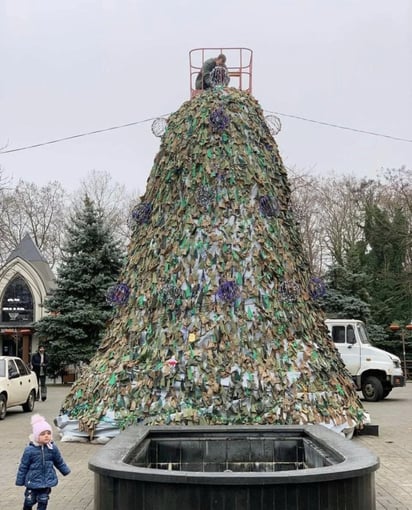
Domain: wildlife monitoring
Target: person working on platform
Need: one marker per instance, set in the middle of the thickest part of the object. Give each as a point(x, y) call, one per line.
point(203, 78)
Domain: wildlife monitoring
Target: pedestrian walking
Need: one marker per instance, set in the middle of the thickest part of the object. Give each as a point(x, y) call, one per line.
point(37, 466)
point(39, 362)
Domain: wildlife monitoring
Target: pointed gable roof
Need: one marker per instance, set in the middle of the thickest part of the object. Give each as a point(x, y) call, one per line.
point(28, 251)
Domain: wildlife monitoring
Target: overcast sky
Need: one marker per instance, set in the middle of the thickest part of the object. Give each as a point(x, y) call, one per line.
point(73, 66)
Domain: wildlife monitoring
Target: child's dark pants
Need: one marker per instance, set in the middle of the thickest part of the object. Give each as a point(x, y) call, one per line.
point(39, 496)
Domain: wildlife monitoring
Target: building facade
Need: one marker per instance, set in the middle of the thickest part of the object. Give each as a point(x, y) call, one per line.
point(26, 280)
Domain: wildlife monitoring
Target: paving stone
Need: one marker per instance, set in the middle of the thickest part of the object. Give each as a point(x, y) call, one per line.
point(75, 492)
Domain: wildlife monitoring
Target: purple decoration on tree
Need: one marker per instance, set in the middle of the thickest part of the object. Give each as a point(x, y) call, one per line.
point(289, 291)
point(317, 287)
point(141, 213)
point(219, 121)
point(228, 292)
point(118, 294)
point(268, 206)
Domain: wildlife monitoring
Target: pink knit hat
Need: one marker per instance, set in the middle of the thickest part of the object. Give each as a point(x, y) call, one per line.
point(39, 425)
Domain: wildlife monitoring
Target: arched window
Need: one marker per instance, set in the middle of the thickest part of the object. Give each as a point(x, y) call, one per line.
point(17, 304)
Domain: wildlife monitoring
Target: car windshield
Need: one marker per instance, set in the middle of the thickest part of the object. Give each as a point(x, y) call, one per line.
point(363, 335)
point(2, 368)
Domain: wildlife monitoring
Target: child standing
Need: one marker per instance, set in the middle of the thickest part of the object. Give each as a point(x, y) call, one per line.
point(36, 470)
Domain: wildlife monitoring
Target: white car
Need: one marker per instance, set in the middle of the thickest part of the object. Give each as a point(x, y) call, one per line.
point(18, 385)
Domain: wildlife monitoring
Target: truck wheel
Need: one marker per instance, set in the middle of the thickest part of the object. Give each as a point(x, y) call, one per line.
point(386, 392)
point(372, 389)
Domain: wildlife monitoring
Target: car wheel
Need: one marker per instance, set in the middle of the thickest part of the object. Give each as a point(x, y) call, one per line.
point(3, 407)
point(29, 405)
point(372, 389)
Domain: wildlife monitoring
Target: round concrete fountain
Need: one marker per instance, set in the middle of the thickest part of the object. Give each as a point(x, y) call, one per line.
point(234, 468)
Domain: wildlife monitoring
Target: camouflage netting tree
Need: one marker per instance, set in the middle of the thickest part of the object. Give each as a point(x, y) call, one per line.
point(216, 321)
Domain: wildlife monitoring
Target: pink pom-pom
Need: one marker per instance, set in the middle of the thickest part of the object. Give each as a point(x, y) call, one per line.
point(36, 418)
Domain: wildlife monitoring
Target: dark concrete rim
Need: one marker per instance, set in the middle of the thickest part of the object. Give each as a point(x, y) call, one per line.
point(356, 460)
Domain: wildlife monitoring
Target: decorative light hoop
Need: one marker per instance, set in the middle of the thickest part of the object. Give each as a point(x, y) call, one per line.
point(205, 196)
point(289, 291)
point(170, 294)
point(219, 77)
point(274, 124)
point(159, 126)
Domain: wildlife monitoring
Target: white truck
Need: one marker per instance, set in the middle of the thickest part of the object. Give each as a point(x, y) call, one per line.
point(374, 371)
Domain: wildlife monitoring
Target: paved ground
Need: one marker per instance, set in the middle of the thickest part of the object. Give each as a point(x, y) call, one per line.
point(393, 447)
point(75, 492)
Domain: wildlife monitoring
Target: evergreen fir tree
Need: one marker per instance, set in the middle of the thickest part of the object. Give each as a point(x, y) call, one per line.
point(91, 262)
point(216, 320)
point(387, 235)
point(347, 296)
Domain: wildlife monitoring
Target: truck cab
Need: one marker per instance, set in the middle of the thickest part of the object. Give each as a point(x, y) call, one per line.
point(374, 371)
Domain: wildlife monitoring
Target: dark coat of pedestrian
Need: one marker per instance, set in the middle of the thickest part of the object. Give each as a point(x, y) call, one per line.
point(39, 363)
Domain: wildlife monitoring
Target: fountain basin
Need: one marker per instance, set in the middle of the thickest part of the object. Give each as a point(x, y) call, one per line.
point(233, 468)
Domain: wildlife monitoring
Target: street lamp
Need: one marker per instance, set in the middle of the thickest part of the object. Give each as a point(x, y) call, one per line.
point(395, 327)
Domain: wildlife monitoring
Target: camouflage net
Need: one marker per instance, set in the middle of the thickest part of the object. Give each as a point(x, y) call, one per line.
point(220, 325)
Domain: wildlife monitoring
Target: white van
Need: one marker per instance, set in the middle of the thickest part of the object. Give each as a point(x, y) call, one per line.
point(374, 371)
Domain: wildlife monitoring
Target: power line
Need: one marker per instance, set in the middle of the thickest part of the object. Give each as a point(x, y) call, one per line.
point(329, 124)
point(79, 135)
point(129, 124)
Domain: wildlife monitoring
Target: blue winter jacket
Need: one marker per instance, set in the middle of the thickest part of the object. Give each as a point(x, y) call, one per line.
point(36, 470)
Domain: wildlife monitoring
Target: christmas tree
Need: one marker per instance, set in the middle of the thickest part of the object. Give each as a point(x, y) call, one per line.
point(216, 319)
point(91, 262)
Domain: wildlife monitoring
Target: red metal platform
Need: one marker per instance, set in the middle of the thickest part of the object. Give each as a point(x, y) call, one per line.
point(238, 62)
